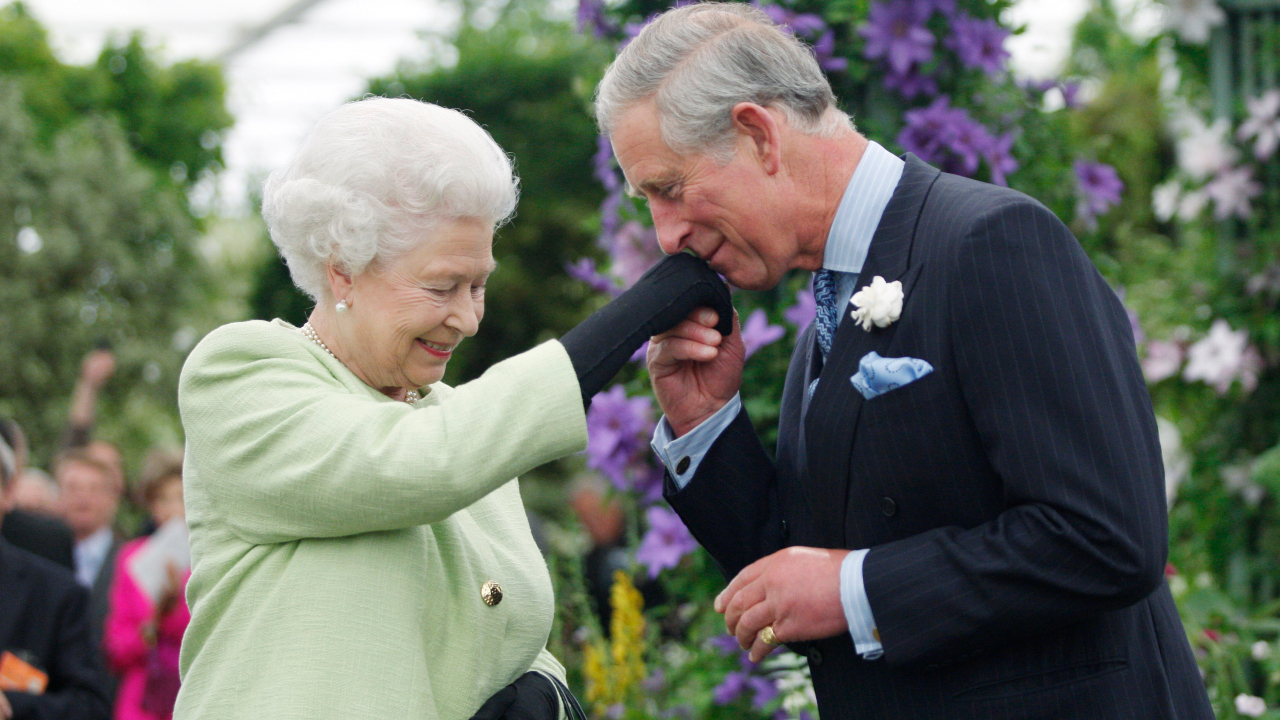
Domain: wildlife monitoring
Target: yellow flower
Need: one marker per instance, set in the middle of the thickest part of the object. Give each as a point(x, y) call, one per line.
point(618, 681)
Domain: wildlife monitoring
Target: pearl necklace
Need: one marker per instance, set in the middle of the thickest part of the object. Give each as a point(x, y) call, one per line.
point(309, 332)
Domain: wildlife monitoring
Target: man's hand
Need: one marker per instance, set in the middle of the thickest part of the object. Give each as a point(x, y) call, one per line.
point(6, 710)
point(694, 369)
point(796, 590)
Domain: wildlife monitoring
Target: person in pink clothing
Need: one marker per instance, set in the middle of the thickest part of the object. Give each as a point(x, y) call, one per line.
point(142, 637)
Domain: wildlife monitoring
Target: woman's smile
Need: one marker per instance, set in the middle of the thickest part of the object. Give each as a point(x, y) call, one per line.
point(437, 350)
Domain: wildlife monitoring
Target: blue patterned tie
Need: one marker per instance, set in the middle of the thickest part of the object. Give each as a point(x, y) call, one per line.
point(824, 295)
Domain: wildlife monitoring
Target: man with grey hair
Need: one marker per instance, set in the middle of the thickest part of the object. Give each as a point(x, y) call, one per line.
point(965, 514)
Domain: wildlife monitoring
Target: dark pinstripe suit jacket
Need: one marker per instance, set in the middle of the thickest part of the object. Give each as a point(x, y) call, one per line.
point(1013, 500)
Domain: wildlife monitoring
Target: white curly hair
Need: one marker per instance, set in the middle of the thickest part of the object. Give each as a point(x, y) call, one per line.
point(371, 177)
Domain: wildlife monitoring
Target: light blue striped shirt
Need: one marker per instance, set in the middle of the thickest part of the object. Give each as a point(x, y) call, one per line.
point(865, 198)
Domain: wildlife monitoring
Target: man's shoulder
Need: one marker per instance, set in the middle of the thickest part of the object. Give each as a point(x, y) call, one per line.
point(49, 579)
point(27, 530)
point(978, 198)
point(962, 212)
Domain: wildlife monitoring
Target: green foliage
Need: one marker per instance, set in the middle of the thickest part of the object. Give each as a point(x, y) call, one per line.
point(97, 243)
point(172, 115)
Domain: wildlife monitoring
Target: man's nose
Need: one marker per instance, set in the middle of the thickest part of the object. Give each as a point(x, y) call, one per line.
point(673, 232)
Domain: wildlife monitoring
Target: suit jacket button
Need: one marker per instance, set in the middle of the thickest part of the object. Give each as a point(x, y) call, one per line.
point(786, 530)
point(683, 466)
point(888, 506)
point(815, 656)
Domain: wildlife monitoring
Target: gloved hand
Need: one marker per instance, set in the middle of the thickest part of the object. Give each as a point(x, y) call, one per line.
point(530, 697)
point(600, 345)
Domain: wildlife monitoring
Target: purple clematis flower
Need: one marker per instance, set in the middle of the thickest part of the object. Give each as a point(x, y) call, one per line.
point(1039, 87)
point(969, 142)
point(730, 688)
point(803, 312)
point(635, 250)
point(947, 136)
point(666, 542)
point(911, 84)
point(757, 332)
point(946, 7)
point(726, 644)
point(811, 27)
point(764, 691)
point(656, 682)
point(1000, 158)
point(602, 161)
point(585, 271)
point(895, 31)
point(824, 49)
point(929, 129)
point(1070, 93)
point(1099, 187)
point(610, 217)
point(592, 18)
point(618, 431)
point(979, 43)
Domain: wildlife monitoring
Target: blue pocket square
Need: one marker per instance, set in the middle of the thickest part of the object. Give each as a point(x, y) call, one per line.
point(878, 375)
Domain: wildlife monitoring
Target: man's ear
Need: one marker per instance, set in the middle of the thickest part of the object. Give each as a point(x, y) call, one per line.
point(761, 127)
point(340, 283)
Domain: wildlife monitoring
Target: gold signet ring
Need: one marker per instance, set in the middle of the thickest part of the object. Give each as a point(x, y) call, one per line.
point(767, 637)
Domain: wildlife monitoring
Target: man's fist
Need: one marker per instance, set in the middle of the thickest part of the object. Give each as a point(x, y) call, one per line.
point(796, 590)
point(694, 369)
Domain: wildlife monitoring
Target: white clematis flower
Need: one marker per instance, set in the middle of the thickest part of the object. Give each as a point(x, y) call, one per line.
point(1165, 198)
point(879, 303)
point(1250, 705)
point(1263, 124)
point(1193, 19)
point(1222, 357)
point(1203, 149)
point(1231, 191)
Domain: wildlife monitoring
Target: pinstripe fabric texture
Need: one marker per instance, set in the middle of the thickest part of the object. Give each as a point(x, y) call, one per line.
point(1012, 500)
point(340, 539)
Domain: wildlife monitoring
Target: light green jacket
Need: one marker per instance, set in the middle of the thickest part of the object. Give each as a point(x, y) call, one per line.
point(340, 539)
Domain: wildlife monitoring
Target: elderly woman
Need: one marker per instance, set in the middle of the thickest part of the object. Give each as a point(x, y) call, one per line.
point(359, 545)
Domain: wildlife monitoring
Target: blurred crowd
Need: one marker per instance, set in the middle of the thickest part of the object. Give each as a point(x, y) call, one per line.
point(91, 620)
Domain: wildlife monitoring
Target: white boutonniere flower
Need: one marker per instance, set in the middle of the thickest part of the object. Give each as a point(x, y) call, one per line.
point(879, 303)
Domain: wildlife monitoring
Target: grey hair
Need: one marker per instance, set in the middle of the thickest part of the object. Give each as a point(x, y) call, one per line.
point(8, 465)
point(372, 176)
point(698, 61)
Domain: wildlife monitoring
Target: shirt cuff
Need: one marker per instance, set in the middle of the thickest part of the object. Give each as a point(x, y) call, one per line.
point(857, 609)
point(684, 454)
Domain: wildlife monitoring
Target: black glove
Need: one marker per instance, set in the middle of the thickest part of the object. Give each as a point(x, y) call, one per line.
point(600, 345)
point(530, 697)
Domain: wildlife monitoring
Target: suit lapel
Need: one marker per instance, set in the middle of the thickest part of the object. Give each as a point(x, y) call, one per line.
point(828, 426)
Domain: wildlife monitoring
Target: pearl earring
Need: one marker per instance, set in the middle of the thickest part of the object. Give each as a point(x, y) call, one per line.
point(341, 306)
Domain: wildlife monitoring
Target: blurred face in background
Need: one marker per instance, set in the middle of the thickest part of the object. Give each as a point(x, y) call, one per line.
point(90, 496)
point(165, 502)
point(36, 492)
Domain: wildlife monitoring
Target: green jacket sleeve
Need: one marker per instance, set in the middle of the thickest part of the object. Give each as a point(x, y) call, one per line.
point(289, 445)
